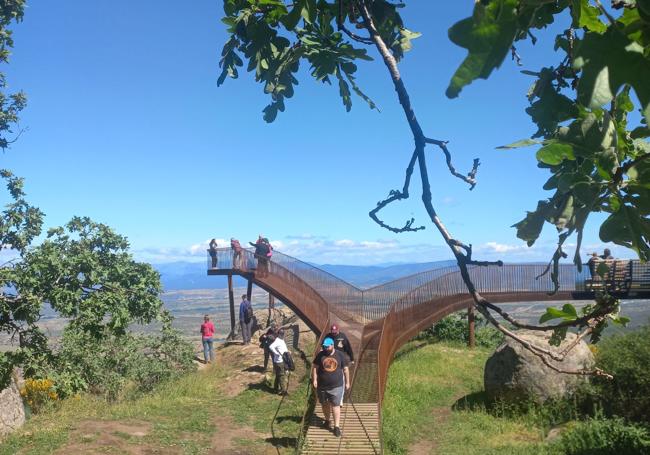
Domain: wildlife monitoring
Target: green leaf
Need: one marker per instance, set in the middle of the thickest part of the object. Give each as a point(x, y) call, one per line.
point(587, 16)
point(554, 153)
point(602, 270)
point(629, 228)
point(487, 36)
point(621, 320)
point(520, 143)
point(406, 36)
point(567, 313)
point(531, 226)
point(607, 62)
point(570, 309)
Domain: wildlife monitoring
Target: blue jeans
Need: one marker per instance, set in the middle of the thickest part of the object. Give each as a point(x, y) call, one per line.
point(207, 348)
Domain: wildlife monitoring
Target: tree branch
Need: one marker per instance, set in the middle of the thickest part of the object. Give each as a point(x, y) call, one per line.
point(396, 195)
point(461, 252)
point(471, 175)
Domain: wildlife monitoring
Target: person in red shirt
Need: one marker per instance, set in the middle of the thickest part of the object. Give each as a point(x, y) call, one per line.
point(207, 332)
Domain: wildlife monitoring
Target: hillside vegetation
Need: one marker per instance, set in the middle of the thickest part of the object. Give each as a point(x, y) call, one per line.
point(435, 404)
point(225, 408)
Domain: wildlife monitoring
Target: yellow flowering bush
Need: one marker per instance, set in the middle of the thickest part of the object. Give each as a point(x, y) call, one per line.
point(38, 392)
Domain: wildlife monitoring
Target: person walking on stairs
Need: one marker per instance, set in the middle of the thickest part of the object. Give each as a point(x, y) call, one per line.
point(341, 342)
point(278, 348)
point(331, 378)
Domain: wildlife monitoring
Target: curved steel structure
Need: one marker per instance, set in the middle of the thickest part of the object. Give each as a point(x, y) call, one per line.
point(379, 320)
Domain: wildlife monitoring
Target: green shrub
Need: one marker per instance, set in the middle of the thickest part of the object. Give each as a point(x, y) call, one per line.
point(454, 328)
point(604, 437)
point(627, 357)
point(106, 365)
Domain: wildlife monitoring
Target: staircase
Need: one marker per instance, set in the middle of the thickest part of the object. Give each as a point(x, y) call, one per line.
point(360, 428)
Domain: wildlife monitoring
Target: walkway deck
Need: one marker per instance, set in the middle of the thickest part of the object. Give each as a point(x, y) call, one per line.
point(360, 428)
point(379, 320)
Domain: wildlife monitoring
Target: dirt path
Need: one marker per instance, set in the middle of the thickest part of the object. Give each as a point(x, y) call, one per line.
point(101, 437)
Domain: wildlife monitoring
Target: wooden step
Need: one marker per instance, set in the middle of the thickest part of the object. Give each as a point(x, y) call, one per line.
point(359, 427)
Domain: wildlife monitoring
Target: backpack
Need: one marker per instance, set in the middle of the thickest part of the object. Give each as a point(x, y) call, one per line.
point(288, 361)
point(248, 313)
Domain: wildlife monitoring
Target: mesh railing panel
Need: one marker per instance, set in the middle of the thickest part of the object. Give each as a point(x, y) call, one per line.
point(387, 315)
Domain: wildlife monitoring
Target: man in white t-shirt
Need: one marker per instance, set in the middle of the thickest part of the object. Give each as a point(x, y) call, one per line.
point(277, 348)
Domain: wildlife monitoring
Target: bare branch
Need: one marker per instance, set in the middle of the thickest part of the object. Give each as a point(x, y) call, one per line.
point(471, 176)
point(515, 56)
point(396, 195)
point(354, 36)
point(461, 251)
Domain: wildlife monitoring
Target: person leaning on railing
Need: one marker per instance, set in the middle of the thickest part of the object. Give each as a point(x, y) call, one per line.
point(592, 263)
point(262, 253)
point(607, 254)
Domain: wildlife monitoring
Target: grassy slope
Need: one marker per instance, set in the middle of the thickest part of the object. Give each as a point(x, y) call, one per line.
point(198, 413)
point(425, 407)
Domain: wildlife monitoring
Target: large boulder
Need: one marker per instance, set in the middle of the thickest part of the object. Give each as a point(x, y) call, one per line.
point(12, 411)
point(513, 373)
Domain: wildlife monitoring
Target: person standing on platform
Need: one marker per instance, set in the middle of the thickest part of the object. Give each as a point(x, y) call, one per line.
point(207, 334)
point(592, 263)
point(236, 253)
point(607, 254)
point(245, 318)
point(262, 250)
point(278, 348)
point(331, 378)
point(213, 253)
point(341, 342)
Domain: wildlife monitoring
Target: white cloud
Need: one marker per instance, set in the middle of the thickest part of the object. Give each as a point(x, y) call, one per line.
point(502, 247)
point(344, 242)
point(322, 250)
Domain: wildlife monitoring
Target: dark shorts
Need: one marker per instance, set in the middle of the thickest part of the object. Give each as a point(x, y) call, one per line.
point(334, 396)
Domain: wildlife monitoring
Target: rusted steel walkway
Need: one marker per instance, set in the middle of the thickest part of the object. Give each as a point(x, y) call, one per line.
point(379, 320)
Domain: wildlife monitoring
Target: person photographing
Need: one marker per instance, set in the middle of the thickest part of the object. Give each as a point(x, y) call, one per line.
point(331, 378)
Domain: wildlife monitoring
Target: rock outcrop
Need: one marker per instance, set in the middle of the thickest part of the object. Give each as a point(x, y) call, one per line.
point(12, 411)
point(514, 373)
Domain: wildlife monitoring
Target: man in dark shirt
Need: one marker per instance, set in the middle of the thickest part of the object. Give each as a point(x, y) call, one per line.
point(341, 342)
point(607, 254)
point(331, 378)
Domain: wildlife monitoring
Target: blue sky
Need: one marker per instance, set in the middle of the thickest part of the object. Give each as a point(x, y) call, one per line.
point(126, 125)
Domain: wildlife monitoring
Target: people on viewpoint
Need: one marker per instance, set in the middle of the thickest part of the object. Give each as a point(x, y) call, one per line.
point(277, 349)
point(213, 253)
point(331, 378)
point(207, 334)
point(263, 252)
point(245, 318)
point(341, 342)
point(592, 263)
point(607, 254)
point(236, 253)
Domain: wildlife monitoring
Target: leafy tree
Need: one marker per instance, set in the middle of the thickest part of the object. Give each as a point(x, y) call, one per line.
point(597, 160)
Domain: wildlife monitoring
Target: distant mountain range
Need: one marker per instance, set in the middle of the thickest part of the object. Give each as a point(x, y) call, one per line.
point(193, 275)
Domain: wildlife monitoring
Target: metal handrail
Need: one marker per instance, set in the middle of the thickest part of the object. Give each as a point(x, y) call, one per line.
point(404, 304)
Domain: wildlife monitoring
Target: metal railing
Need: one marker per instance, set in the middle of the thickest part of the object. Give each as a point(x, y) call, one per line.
point(380, 319)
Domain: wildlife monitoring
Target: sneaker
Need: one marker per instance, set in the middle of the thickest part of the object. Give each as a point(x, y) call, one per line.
point(326, 424)
point(337, 432)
